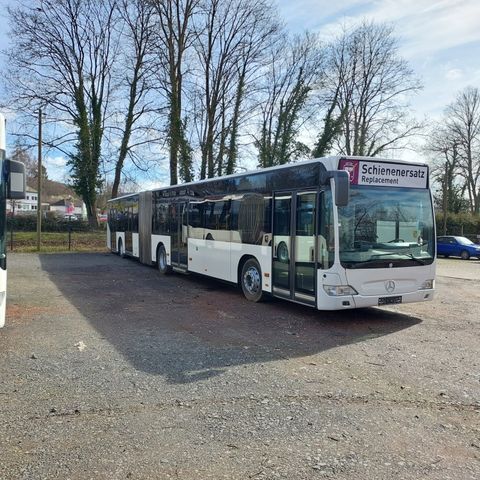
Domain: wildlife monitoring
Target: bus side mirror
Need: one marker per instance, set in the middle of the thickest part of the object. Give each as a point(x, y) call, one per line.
point(16, 184)
point(342, 185)
point(342, 188)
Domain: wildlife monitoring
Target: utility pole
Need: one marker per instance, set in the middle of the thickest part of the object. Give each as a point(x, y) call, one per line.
point(39, 182)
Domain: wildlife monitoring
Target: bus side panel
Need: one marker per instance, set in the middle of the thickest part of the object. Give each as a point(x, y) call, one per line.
point(210, 257)
point(109, 242)
point(261, 252)
point(135, 245)
point(3, 295)
point(157, 240)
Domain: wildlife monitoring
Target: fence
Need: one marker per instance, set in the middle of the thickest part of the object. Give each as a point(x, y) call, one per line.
point(57, 235)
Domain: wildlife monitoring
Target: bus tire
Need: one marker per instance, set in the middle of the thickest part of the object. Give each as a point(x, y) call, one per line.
point(251, 280)
point(121, 250)
point(464, 255)
point(282, 252)
point(162, 266)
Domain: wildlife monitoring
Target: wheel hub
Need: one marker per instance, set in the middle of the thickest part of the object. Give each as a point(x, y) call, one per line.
point(251, 280)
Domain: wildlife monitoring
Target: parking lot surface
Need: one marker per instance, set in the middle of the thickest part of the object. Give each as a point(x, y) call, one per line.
point(110, 371)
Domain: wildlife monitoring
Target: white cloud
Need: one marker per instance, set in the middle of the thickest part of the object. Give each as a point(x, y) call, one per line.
point(152, 184)
point(429, 26)
point(440, 39)
point(59, 162)
point(311, 14)
point(454, 74)
point(426, 26)
point(56, 167)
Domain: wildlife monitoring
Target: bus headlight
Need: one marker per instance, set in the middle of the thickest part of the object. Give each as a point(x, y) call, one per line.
point(339, 290)
point(427, 285)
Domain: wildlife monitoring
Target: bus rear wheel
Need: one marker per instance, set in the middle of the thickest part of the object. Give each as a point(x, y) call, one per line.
point(162, 265)
point(251, 280)
point(121, 250)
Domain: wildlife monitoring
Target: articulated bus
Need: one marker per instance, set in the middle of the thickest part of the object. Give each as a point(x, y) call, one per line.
point(12, 186)
point(333, 233)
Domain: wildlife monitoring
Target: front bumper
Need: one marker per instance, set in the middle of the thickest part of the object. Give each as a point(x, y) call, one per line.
point(362, 301)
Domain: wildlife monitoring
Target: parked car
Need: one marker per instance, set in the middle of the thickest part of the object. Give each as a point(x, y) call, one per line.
point(457, 247)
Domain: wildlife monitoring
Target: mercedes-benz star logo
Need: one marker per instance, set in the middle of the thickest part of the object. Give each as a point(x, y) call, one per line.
point(390, 286)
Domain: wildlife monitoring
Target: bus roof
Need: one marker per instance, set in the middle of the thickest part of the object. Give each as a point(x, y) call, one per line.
point(330, 163)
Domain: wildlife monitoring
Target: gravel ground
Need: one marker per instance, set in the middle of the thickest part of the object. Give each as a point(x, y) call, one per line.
point(109, 371)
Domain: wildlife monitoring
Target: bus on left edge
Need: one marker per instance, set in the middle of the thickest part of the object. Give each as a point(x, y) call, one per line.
point(12, 187)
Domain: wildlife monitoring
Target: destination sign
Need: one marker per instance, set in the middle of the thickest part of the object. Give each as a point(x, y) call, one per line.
point(385, 174)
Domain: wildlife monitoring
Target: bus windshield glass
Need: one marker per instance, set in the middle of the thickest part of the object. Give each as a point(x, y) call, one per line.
point(386, 227)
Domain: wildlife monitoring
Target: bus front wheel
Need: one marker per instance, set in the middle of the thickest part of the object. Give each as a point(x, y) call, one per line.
point(163, 268)
point(251, 280)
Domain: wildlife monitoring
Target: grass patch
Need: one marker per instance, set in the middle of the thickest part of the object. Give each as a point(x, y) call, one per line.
point(25, 242)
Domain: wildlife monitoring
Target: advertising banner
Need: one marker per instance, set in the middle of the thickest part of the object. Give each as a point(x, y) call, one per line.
point(69, 208)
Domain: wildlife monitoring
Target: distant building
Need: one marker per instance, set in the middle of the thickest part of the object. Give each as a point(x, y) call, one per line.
point(27, 206)
point(64, 207)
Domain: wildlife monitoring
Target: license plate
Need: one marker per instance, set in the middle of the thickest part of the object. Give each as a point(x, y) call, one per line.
point(389, 300)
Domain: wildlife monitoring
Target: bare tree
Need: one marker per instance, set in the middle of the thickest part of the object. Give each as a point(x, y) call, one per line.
point(62, 55)
point(136, 71)
point(295, 70)
point(175, 36)
point(232, 38)
point(443, 145)
point(218, 38)
point(463, 120)
point(332, 125)
point(21, 154)
point(260, 32)
point(369, 87)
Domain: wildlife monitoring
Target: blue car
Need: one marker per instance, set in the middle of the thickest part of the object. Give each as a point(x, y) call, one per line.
point(457, 247)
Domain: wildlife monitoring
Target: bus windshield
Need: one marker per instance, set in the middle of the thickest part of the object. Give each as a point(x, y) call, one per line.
point(386, 227)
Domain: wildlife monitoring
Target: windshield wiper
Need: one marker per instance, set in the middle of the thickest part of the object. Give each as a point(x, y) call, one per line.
point(374, 259)
point(413, 257)
point(371, 263)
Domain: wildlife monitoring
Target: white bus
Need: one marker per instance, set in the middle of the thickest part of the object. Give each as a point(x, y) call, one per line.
point(12, 186)
point(333, 233)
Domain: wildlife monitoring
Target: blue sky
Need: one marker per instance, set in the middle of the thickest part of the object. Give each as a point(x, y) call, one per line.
point(439, 38)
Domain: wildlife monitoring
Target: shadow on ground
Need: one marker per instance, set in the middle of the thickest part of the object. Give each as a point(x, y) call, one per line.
point(189, 328)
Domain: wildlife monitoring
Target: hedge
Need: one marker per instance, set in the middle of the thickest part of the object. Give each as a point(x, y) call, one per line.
point(464, 224)
point(28, 223)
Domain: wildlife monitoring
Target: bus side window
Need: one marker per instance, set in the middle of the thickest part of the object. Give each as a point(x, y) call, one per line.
point(195, 220)
point(233, 221)
point(160, 218)
point(222, 213)
point(209, 218)
point(251, 219)
point(216, 216)
point(135, 217)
